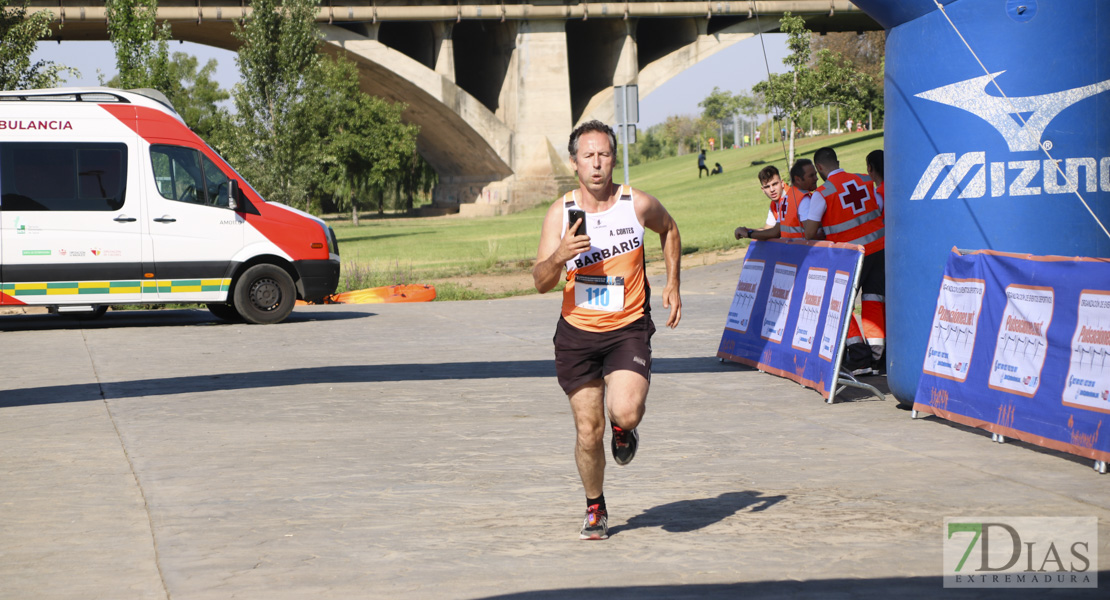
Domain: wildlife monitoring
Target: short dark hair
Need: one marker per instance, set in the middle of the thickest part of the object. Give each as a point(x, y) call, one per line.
point(589, 126)
point(825, 156)
point(767, 173)
point(799, 169)
point(875, 161)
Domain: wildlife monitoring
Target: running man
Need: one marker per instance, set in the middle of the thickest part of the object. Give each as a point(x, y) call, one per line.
point(603, 338)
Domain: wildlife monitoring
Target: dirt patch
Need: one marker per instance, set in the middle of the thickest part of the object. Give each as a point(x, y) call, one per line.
point(499, 283)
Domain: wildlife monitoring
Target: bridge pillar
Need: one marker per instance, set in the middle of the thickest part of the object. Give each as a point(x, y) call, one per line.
point(444, 49)
point(534, 102)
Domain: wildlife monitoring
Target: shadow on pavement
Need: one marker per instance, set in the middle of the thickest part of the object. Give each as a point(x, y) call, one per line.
point(314, 375)
point(155, 318)
point(883, 588)
point(691, 515)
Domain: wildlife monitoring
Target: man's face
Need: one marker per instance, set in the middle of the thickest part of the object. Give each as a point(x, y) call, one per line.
point(808, 182)
point(823, 172)
point(772, 188)
point(594, 161)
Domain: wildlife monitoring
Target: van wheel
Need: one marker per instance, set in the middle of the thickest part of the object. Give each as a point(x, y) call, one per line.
point(225, 312)
point(264, 295)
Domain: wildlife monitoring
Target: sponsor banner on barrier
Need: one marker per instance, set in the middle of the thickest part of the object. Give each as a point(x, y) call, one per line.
point(1020, 346)
point(789, 325)
point(954, 325)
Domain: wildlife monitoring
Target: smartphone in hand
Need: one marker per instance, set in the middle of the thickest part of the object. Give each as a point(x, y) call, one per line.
point(573, 215)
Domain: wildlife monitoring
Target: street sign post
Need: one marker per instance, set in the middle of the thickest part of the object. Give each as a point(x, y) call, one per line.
point(627, 110)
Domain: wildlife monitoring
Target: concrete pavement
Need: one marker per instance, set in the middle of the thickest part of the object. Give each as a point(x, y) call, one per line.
point(425, 451)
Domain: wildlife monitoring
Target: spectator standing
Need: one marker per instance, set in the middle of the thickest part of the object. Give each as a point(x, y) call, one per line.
point(846, 209)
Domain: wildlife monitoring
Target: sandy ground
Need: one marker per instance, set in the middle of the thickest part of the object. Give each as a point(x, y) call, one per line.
point(496, 283)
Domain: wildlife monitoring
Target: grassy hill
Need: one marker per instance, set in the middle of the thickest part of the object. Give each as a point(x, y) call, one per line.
point(707, 210)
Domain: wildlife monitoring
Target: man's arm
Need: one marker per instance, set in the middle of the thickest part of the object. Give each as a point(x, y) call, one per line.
point(811, 222)
point(657, 219)
point(769, 233)
point(556, 248)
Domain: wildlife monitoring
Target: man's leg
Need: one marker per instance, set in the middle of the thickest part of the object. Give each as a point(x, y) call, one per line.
point(627, 395)
point(587, 403)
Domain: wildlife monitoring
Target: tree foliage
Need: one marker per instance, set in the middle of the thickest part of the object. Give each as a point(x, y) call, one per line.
point(273, 146)
point(20, 34)
point(197, 96)
point(825, 79)
point(866, 52)
point(363, 144)
point(142, 47)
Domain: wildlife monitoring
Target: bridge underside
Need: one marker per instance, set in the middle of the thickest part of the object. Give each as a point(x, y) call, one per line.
point(496, 99)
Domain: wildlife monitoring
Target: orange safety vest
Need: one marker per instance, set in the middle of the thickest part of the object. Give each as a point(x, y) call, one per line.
point(790, 224)
point(852, 213)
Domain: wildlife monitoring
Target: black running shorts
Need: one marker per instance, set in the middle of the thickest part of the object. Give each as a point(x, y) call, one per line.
point(584, 356)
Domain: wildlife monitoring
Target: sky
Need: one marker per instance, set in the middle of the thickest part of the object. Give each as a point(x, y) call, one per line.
point(734, 69)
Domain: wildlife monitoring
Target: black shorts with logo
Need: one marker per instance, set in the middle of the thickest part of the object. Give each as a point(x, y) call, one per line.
point(584, 356)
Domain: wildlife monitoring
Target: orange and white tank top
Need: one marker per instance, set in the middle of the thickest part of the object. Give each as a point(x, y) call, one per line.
point(606, 287)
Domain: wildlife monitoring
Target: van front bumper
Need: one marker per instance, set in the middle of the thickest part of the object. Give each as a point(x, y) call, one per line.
point(318, 278)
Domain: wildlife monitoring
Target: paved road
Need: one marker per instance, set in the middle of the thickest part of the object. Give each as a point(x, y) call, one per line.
point(424, 451)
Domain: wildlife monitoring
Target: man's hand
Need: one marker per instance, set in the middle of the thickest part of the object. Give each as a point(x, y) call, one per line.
point(742, 232)
point(572, 245)
point(673, 301)
point(554, 251)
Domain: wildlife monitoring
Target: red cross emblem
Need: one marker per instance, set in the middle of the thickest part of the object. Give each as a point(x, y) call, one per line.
point(854, 197)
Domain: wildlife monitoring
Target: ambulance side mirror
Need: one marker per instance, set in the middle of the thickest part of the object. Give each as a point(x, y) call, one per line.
point(232, 194)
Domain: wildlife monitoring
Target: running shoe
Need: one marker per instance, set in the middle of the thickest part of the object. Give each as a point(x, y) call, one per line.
point(624, 445)
point(596, 525)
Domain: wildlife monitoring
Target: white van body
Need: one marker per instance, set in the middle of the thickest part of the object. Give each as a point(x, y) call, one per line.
point(106, 197)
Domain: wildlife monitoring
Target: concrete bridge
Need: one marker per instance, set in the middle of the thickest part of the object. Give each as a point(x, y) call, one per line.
point(496, 87)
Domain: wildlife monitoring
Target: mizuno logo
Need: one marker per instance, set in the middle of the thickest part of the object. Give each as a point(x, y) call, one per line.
point(1038, 111)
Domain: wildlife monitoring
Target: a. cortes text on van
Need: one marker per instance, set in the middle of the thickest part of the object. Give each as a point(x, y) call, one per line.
point(106, 197)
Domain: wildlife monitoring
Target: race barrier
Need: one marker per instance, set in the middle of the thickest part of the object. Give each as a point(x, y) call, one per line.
point(1020, 346)
point(800, 336)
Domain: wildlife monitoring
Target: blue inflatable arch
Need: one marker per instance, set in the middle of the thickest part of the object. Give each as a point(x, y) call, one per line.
point(999, 139)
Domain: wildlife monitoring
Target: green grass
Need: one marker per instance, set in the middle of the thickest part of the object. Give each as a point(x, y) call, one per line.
point(422, 250)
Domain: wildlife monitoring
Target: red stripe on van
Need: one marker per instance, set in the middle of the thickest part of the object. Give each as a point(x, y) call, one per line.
point(6, 300)
point(291, 232)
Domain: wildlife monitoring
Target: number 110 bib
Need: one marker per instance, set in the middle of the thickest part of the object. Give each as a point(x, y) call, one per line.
point(597, 292)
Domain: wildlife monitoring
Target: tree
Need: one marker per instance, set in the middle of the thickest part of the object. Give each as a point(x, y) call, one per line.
point(866, 52)
point(681, 133)
point(273, 145)
point(197, 97)
point(417, 177)
point(808, 84)
point(363, 144)
point(718, 107)
point(21, 33)
point(142, 48)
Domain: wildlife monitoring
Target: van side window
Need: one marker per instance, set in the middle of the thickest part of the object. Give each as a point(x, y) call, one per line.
point(218, 185)
point(62, 176)
point(186, 175)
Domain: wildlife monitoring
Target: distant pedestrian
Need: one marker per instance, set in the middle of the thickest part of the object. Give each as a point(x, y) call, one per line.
point(701, 164)
point(757, 136)
point(849, 124)
point(747, 140)
point(716, 169)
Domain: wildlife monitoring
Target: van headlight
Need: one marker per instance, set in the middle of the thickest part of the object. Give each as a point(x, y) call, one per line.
point(333, 243)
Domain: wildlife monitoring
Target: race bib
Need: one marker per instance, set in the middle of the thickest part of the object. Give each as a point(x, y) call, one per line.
point(597, 292)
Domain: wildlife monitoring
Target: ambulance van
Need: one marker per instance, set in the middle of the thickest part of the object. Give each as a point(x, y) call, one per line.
point(106, 197)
